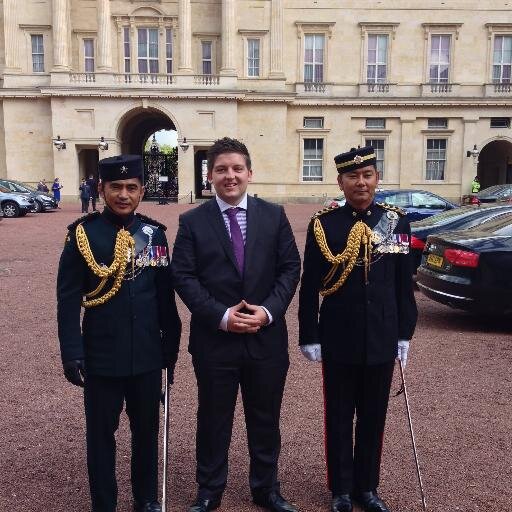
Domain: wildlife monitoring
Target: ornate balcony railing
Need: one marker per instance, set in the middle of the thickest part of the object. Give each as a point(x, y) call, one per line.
point(314, 87)
point(82, 78)
point(206, 80)
point(378, 87)
point(441, 88)
point(501, 87)
point(143, 79)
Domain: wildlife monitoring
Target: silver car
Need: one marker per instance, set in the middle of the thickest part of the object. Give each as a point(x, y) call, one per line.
point(13, 204)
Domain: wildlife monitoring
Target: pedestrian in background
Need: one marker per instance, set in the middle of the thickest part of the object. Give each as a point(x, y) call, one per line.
point(43, 187)
point(130, 330)
point(56, 187)
point(475, 185)
point(85, 195)
point(236, 266)
point(93, 189)
point(357, 258)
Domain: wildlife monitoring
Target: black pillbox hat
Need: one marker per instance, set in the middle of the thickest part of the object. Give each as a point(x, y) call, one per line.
point(121, 167)
point(355, 159)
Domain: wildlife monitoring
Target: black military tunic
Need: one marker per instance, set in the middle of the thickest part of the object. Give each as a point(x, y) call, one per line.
point(358, 328)
point(125, 343)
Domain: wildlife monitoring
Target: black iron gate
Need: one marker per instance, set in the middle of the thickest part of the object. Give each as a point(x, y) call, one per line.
point(160, 175)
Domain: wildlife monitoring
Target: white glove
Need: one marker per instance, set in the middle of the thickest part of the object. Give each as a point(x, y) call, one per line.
point(313, 351)
point(403, 348)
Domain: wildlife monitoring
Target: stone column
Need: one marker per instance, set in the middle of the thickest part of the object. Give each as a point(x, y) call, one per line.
point(185, 37)
point(276, 40)
point(104, 36)
point(469, 167)
point(228, 37)
point(11, 36)
point(407, 161)
point(60, 21)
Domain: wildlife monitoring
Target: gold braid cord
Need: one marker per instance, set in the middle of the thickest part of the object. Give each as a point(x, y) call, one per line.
point(360, 235)
point(124, 247)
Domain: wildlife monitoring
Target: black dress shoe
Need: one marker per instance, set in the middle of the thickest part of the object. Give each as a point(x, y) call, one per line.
point(273, 501)
point(341, 503)
point(147, 506)
point(370, 502)
point(204, 505)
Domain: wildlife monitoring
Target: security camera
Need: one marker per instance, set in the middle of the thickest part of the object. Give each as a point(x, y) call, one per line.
point(102, 144)
point(59, 143)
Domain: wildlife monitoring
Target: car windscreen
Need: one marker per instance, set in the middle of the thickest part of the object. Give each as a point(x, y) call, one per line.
point(490, 191)
point(24, 187)
point(4, 190)
point(501, 225)
point(444, 217)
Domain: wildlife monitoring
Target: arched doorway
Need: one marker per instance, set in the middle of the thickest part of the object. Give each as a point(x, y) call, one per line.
point(160, 170)
point(495, 163)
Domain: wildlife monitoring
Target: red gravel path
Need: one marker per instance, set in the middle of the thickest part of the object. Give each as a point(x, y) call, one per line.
point(459, 381)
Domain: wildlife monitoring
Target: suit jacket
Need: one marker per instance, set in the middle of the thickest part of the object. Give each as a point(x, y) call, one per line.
point(134, 332)
point(206, 277)
point(359, 323)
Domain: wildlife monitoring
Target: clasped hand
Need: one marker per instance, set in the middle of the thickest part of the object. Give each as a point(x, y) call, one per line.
point(246, 318)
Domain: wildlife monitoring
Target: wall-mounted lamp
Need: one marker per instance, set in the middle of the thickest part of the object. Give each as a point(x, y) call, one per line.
point(59, 143)
point(102, 144)
point(473, 152)
point(184, 145)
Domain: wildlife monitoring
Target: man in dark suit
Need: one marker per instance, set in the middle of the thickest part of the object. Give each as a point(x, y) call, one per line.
point(115, 265)
point(357, 258)
point(236, 266)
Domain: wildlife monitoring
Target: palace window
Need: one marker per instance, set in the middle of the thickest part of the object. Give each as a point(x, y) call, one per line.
point(253, 57)
point(436, 159)
point(500, 122)
point(37, 53)
point(440, 58)
point(206, 49)
point(89, 55)
point(375, 123)
point(378, 147)
point(312, 160)
point(438, 123)
point(502, 59)
point(168, 50)
point(314, 57)
point(147, 50)
point(127, 51)
point(377, 63)
point(313, 122)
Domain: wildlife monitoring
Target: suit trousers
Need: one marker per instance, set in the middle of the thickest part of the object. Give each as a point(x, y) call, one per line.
point(104, 398)
point(363, 391)
point(261, 382)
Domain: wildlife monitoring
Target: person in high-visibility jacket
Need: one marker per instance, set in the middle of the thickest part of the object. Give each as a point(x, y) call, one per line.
point(475, 185)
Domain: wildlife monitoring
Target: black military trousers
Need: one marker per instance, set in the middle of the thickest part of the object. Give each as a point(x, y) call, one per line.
point(262, 384)
point(361, 391)
point(104, 398)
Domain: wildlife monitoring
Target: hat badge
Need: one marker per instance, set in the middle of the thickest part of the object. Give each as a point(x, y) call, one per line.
point(124, 169)
point(358, 159)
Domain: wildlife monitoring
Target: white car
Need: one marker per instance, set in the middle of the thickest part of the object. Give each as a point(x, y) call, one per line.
point(13, 204)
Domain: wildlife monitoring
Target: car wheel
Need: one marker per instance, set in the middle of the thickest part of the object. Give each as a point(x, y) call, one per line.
point(38, 207)
point(11, 209)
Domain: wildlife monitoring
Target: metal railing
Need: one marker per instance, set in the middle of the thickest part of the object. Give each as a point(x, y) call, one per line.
point(206, 79)
point(377, 87)
point(314, 87)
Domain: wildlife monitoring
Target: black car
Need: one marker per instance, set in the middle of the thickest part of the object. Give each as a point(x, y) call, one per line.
point(495, 193)
point(418, 204)
point(470, 269)
point(42, 201)
point(464, 217)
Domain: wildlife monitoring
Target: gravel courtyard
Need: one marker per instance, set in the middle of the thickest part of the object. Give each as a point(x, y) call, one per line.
point(459, 379)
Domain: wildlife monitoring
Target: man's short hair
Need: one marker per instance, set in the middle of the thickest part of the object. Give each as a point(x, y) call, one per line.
point(227, 145)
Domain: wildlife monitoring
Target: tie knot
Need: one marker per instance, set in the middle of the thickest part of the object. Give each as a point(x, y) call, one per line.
point(231, 212)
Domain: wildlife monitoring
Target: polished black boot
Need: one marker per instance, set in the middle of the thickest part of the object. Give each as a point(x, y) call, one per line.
point(274, 502)
point(370, 502)
point(147, 506)
point(204, 505)
point(341, 503)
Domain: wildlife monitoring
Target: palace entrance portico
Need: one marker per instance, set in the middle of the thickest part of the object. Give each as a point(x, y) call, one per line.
point(495, 163)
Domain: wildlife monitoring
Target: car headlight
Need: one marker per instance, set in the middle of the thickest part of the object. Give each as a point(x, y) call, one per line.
point(45, 199)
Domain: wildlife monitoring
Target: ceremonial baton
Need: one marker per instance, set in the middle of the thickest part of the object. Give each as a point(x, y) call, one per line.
point(403, 389)
point(166, 438)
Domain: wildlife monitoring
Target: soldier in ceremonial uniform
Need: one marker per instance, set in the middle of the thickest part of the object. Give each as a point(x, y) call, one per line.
point(115, 265)
point(357, 258)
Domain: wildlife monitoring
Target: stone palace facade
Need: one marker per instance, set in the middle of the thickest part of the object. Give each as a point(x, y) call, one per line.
point(427, 83)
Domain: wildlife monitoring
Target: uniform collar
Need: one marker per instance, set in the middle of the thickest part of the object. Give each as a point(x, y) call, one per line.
point(359, 214)
point(120, 222)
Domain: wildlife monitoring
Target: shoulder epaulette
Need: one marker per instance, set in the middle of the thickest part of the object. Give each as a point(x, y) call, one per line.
point(85, 218)
point(149, 220)
point(323, 211)
point(392, 208)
